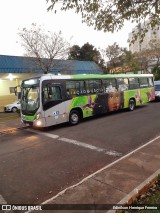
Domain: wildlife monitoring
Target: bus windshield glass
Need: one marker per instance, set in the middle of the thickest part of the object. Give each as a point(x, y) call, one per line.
point(30, 96)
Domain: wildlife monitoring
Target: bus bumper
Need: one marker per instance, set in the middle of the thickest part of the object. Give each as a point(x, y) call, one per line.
point(36, 123)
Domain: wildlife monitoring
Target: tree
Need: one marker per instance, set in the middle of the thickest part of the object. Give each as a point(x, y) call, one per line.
point(89, 53)
point(156, 73)
point(85, 53)
point(103, 61)
point(110, 15)
point(155, 51)
point(144, 59)
point(43, 47)
point(103, 66)
point(150, 57)
point(155, 55)
point(122, 59)
point(113, 52)
point(129, 59)
point(74, 53)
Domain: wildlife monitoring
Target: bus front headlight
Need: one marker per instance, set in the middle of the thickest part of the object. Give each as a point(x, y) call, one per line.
point(39, 123)
point(38, 116)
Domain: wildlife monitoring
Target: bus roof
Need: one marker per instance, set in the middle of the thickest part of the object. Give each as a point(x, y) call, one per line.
point(111, 76)
point(91, 76)
point(94, 76)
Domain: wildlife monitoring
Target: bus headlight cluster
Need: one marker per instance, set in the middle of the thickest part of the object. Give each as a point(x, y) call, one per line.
point(39, 123)
point(38, 116)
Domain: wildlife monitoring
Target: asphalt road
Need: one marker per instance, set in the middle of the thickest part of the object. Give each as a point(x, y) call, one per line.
point(5, 116)
point(36, 165)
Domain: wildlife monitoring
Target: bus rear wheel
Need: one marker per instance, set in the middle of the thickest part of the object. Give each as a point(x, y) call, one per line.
point(74, 117)
point(132, 104)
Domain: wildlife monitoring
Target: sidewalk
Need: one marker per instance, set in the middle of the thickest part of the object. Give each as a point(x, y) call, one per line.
point(116, 183)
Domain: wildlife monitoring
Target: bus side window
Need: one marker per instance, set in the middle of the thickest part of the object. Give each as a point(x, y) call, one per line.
point(143, 82)
point(133, 83)
point(51, 93)
point(56, 93)
point(106, 84)
point(82, 88)
point(71, 89)
point(93, 86)
point(113, 84)
point(122, 84)
point(109, 85)
point(150, 82)
point(96, 86)
point(45, 94)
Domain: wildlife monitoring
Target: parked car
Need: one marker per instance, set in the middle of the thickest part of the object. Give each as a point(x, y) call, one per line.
point(157, 90)
point(13, 107)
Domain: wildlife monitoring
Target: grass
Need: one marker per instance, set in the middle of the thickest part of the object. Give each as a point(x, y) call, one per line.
point(150, 198)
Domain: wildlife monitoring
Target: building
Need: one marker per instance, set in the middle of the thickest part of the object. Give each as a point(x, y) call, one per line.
point(13, 69)
point(138, 46)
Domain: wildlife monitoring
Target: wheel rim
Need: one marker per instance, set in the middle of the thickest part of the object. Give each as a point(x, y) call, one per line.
point(74, 118)
point(131, 105)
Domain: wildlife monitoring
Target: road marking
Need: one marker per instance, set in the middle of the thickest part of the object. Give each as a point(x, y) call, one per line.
point(44, 133)
point(88, 146)
point(97, 172)
point(78, 143)
point(2, 200)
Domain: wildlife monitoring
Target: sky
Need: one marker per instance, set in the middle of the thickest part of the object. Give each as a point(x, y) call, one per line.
point(17, 14)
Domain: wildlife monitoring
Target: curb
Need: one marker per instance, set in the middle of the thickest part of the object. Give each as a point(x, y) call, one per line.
point(139, 190)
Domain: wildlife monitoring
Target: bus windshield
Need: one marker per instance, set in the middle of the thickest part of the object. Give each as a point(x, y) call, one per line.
point(30, 99)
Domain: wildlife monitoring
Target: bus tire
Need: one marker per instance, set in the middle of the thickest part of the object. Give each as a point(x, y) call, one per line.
point(132, 104)
point(74, 117)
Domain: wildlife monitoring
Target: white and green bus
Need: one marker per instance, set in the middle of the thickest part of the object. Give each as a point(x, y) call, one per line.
point(53, 99)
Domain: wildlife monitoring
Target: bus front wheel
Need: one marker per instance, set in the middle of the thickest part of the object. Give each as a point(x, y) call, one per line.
point(74, 117)
point(132, 104)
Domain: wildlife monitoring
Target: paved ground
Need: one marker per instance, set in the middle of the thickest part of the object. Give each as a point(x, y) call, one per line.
point(111, 184)
point(116, 182)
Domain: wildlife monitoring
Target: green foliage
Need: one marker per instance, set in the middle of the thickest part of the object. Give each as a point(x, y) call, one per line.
point(74, 53)
point(156, 73)
point(158, 180)
point(131, 60)
point(86, 53)
point(110, 15)
point(89, 53)
point(114, 52)
point(150, 57)
point(121, 57)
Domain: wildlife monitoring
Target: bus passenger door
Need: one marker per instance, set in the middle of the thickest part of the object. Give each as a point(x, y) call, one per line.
point(53, 104)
